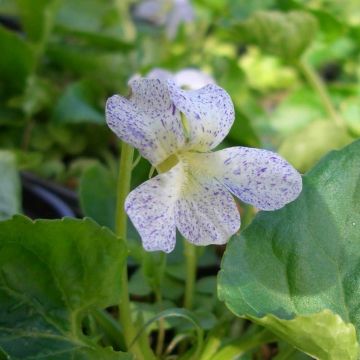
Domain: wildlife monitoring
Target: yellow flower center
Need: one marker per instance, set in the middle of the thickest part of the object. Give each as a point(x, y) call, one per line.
point(167, 164)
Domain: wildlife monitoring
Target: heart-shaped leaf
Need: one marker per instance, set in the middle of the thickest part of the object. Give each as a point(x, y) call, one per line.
point(52, 273)
point(304, 258)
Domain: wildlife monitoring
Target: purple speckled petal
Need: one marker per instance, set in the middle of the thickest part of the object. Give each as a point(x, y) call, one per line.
point(209, 112)
point(258, 177)
point(148, 120)
point(151, 209)
point(206, 212)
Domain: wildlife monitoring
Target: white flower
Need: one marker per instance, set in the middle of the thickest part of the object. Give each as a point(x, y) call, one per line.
point(189, 78)
point(170, 13)
point(176, 130)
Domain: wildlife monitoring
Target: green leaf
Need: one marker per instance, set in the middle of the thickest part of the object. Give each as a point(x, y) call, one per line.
point(251, 339)
point(243, 9)
point(94, 21)
point(76, 105)
point(286, 35)
point(98, 195)
point(10, 193)
point(16, 62)
point(331, 28)
point(38, 94)
point(37, 23)
point(337, 340)
point(288, 352)
point(104, 67)
point(304, 148)
point(138, 284)
point(303, 259)
point(52, 273)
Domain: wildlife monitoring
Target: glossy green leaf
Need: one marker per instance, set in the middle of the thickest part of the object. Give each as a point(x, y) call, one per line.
point(52, 273)
point(303, 259)
point(286, 35)
point(10, 193)
point(98, 195)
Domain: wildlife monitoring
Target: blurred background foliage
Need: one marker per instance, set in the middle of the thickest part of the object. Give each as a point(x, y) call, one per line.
point(61, 59)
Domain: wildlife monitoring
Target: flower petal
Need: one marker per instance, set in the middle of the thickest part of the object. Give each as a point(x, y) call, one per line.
point(258, 177)
point(152, 11)
point(148, 120)
point(206, 212)
point(192, 79)
point(151, 209)
point(158, 73)
point(181, 11)
point(209, 112)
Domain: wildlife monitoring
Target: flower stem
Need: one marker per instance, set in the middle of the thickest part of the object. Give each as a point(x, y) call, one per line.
point(129, 29)
point(123, 187)
point(191, 264)
point(161, 332)
point(318, 85)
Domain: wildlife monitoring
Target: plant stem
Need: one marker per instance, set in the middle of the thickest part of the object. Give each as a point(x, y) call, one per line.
point(161, 333)
point(129, 29)
point(123, 187)
point(190, 263)
point(318, 85)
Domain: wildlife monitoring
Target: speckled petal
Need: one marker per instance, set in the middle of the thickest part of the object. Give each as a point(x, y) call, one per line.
point(209, 112)
point(151, 209)
point(258, 177)
point(148, 120)
point(206, 212)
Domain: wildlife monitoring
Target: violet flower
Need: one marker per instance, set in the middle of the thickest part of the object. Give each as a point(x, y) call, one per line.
point(176, 130)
